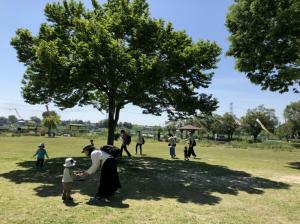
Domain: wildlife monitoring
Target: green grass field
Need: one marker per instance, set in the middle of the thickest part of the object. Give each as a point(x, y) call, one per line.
point(223, 185)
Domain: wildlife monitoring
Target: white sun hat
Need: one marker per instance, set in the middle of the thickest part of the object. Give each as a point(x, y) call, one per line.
point(69, 162)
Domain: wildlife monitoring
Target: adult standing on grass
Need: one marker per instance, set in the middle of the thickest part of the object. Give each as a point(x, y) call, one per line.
point(40, 154)
point(192, 143)
point(172, 145)
point(109, 178)
point(139, 142)
point(125, 139)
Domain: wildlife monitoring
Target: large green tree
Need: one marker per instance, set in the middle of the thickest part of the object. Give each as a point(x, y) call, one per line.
point(292, 116)
point(114, 54)
point(211, 122)
point(265, 41)
point(229, 125)
point(285, 130)
point(264, 115)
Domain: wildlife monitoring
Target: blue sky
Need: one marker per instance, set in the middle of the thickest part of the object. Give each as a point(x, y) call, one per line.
point(202, 19)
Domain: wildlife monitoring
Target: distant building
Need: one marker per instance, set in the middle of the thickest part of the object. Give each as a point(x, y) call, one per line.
point(76, 129)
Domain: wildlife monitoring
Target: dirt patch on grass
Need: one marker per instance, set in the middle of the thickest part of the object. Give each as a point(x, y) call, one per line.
point(288, 179)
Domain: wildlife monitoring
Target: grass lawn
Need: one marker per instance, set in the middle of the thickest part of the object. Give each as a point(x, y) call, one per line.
point(222, 185)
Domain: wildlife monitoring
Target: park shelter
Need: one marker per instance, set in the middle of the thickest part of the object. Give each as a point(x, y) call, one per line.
point(188, 128)
point(76, 129)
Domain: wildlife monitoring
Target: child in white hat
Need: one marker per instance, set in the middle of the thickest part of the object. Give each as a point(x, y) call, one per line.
point(67, 179)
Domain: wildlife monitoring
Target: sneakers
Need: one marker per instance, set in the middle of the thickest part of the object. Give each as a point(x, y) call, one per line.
point(67, 199)
point(95, 199)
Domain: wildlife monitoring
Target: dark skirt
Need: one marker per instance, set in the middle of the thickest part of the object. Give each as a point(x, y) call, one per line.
point(109, 179)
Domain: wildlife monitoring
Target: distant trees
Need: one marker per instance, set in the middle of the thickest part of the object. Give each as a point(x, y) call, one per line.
point(3, 121)
point(265, 41)
point(292, 116)
point(50, 120)
point(285, 131)
point(103, 123)
point(264, 115)
point(229, 125)
point(210, 123)
point(12, 119)
point(171, 127)
point(37, 120)
point(125, 125)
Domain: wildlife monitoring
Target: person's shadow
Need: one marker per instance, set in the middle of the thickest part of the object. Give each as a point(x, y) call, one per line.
point(294, 165)
point(148, 178)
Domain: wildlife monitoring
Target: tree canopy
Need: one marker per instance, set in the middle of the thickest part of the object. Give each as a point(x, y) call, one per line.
point(12, 119)
point(50, 120)
point(265, 41)
point(264, 115)
point(292, 116)
point(114, 54)
point(229, 125)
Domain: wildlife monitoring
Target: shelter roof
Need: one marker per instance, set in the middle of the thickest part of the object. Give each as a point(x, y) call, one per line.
point(189, 127)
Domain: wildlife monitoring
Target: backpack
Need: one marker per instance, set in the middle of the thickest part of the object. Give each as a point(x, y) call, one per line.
point(89, 148)
point(111, 150)
point(194, 143)
point(127, 139)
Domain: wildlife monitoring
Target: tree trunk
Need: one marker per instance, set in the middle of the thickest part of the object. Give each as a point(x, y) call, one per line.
point(113, 117)
point(255, 137)
point(111, 122)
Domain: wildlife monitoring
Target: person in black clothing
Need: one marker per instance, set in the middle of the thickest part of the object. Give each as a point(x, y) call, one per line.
point(92, 142)
point(125, 142)
point(191, 146)
point(109, 178)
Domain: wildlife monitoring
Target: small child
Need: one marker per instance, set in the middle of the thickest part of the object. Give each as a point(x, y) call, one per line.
point(67, 178)
point(92, 142)
point(40, 156)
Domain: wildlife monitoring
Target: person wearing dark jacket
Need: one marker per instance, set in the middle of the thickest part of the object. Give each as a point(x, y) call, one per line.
point(191, 145)
point(124, 142)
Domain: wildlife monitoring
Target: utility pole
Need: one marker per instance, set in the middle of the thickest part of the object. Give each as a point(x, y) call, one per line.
point(231, 108)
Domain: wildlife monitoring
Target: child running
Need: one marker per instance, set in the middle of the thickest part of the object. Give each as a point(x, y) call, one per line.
point(40, 156)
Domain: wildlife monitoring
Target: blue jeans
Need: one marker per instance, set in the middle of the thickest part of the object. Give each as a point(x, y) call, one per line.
point(172, 151)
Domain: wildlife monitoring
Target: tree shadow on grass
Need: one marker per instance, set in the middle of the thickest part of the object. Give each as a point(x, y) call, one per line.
point(294, 165)
point(148, 178)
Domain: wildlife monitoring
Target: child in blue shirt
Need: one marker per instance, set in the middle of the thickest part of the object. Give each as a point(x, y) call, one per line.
point(40, 156)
